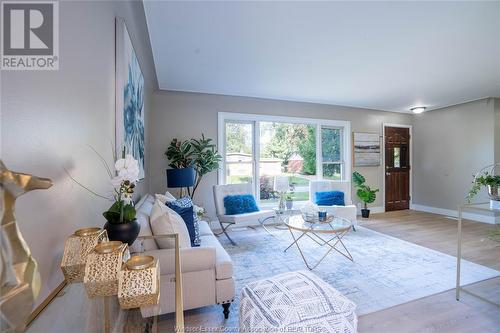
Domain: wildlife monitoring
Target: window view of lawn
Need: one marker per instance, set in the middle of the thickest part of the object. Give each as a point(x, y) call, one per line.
point(284, 150)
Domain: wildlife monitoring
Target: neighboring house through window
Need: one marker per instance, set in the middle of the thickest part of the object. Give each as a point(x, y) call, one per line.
point(256, 149)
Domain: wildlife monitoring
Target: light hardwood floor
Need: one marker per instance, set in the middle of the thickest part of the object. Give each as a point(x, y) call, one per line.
point(439, 313)
point(439, 233)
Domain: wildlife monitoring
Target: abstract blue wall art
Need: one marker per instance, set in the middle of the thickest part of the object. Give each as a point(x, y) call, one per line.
point(129, 128)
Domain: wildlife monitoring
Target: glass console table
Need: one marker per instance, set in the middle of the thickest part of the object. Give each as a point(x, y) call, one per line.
point(71, 310)
point(478, 208)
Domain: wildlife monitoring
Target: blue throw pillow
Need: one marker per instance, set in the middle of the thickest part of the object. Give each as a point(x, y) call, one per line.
point(184, 207)
point(240, 204)
point(330, 198)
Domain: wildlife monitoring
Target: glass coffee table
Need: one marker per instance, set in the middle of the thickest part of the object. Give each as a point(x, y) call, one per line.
point(328, 233)
point(282, 216)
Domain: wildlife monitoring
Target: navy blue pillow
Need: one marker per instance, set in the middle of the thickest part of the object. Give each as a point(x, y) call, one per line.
point(184, 207)
point(330, 198)
point(240, 204)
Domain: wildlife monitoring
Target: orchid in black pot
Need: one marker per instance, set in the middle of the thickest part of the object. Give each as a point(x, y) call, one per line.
point(121, 223)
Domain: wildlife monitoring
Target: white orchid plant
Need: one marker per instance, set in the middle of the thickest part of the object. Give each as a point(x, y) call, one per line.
point(123, 179)
point(127, 175)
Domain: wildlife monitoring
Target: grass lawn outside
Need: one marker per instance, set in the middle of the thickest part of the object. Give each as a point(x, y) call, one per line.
point(297, 196)
point(298, 180)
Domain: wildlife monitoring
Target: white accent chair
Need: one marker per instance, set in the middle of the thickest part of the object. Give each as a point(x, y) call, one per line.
point(220, 192)
point(348, 211)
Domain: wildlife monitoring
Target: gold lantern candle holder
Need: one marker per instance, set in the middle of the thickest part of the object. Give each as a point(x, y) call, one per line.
point(102, 268)
point(139, 282)
point(76, 249)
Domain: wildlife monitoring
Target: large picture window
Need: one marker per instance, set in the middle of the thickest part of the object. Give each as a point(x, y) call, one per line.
point(261, 149)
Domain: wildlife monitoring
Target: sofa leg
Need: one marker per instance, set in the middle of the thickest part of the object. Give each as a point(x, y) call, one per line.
point(226, 310)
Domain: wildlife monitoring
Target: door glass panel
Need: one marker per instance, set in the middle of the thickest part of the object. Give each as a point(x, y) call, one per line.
point(239, 152)
point(288, 151)
point(397, 157)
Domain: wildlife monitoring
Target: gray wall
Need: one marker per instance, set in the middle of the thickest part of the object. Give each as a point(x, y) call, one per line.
point(49, 118)
point(450, 145)
point(497, 131)
point(185, 115)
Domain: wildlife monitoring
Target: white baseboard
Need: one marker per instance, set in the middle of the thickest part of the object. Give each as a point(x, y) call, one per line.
point(373, 210)
point(454, 213)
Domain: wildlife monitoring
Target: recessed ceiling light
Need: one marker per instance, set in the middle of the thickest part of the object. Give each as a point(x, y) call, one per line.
point(418, 109)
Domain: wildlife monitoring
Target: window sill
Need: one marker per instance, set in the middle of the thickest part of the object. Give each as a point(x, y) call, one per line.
point(296, 205)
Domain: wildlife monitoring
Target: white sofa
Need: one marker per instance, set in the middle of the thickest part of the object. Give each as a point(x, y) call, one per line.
point(348, 211)
point(207, 270)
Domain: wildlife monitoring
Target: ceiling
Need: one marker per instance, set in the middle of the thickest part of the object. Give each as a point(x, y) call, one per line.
point(380, 55)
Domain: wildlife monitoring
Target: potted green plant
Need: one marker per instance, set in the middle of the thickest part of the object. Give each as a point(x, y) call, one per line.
point(485, 179)
point(190, 160)
point(206, 159)
point(364, 192)
point(181, 173)
point(289, 200)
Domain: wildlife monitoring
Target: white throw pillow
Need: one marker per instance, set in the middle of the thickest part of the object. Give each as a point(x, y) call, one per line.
point(165, 221)
point(167, 197)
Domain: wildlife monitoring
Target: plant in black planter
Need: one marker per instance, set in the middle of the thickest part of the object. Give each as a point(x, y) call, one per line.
point(364, 192)
point(121, 223)
point(190, 160)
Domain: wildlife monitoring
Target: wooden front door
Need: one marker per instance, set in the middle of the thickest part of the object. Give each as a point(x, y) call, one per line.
point(397, 168)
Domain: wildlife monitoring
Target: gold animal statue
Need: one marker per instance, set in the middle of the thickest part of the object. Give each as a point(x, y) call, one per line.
point(19, 276)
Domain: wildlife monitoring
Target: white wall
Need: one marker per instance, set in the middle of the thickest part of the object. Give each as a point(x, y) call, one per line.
point(49, 118)
point(185, 115)
point(450, 146)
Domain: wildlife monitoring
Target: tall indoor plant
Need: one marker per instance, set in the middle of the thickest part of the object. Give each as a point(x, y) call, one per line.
point(199, 154)
point(181, 173)
point(364, 192)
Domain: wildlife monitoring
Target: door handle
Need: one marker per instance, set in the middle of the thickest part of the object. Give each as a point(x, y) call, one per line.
point(387, 173)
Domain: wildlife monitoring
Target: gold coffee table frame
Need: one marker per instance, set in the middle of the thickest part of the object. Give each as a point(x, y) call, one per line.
point(328, 233)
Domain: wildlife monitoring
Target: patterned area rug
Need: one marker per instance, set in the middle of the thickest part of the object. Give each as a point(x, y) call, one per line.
point(386, 271)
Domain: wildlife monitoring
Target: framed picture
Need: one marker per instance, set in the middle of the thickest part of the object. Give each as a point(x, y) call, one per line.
point(129, 127)
point(366, 149)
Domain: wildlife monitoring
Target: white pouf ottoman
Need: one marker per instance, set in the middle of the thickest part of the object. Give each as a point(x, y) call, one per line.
point(295, 302)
